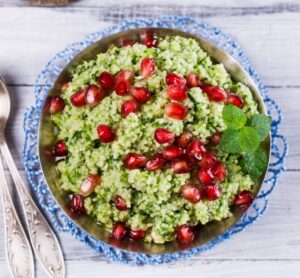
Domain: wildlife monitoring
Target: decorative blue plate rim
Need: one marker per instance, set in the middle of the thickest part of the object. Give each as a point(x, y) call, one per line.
point(43, 84)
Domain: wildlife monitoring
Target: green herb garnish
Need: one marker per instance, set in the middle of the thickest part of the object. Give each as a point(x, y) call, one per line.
point(240, 137)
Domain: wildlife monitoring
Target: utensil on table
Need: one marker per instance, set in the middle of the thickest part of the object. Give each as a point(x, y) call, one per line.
point(43, 239)
point(49, 3)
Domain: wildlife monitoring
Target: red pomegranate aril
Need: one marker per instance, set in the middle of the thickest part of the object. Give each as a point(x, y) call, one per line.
point(77, 204)
point(184, 139)
point(156, 162)
point(172, 152)
point(134, 161)
point(78, 98)
point(181, 166)
point(191, 193)
point(177, 92)
point(89, 184)
point(243, 200)
point(150, 42)
point(219, 171)
point(60, 148)
point(206, 176)
point(94, 95)
point(120, 203)
point(212, 192)
point(123, 87)
point(185, 234)
point(141, 94)
point(147, 67)
point(215, 139)
point(163, 136)
point(119, 231)
point(106, 134)
point(124, 75)
point(137, 234)
point(193, 80)
point(129, 106)
point(173, 78)
point(208, 160)
point(215, 93)
point(176, 111)
point(196, 149)
point(107, 80)
point(235, 100)
point(56, 104)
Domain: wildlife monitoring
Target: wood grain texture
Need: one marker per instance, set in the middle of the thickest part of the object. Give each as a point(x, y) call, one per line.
point(268, 31)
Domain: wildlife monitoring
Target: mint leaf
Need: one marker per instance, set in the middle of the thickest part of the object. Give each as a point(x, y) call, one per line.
point(255, 164)
point(249, 139)
point(261, 123)
point(234, 117)
point(229, 141)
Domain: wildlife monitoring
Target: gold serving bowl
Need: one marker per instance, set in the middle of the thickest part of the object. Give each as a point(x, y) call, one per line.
point(47, 138)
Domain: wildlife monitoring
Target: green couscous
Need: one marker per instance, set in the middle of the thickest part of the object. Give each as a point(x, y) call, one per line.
point(146, 194)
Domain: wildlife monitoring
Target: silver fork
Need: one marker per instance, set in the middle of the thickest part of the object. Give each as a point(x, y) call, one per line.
point(42, 238)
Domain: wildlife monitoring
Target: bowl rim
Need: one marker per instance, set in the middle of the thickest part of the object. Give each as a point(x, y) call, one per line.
point(231, 60)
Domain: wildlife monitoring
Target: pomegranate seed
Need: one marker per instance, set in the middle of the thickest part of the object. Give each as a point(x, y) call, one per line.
point(124, 75)
point(146, 33)
point(177, 92)
point(120, 203)
point(134, 161)
point(214, 93)
point(191, 193)
point(119, 231)
point(56, 105)
point(184, 139)
point(219, 171)
point(215, 139)
point(126, 42)
point(243, 200)
point(60, 148)
point(156, 162)
point(196, 149)
point(163, 136)
point(235, 100)
point(89, 184)
point(185, 234)
point(94, 95)
point(137, 234)
point(147, 67)
point(107, 80)
point(176, 111)
point(173, 78)
point(106, 134)
point(141, 94)
point(181, 166)
point(129, 106)
point(78, 98)
point(193, 80)
point(77, 204)
point(206, 176)
point(208, 160)
point(172, 152)
point(150, 42)
point(123, 87)
point(212, 192)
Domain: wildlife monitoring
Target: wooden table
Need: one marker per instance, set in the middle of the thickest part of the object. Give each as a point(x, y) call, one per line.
point(269, 32)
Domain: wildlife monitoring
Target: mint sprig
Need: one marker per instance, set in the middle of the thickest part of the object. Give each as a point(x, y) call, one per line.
point(242, 136)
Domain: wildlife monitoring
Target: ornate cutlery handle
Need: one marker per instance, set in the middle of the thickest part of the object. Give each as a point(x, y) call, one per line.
point(18, 250)
point(43, 239)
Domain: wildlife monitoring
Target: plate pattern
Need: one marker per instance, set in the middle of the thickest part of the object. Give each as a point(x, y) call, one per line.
point(43, 84)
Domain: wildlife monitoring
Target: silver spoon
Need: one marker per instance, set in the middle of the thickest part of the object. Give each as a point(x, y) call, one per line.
point(43, 239)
